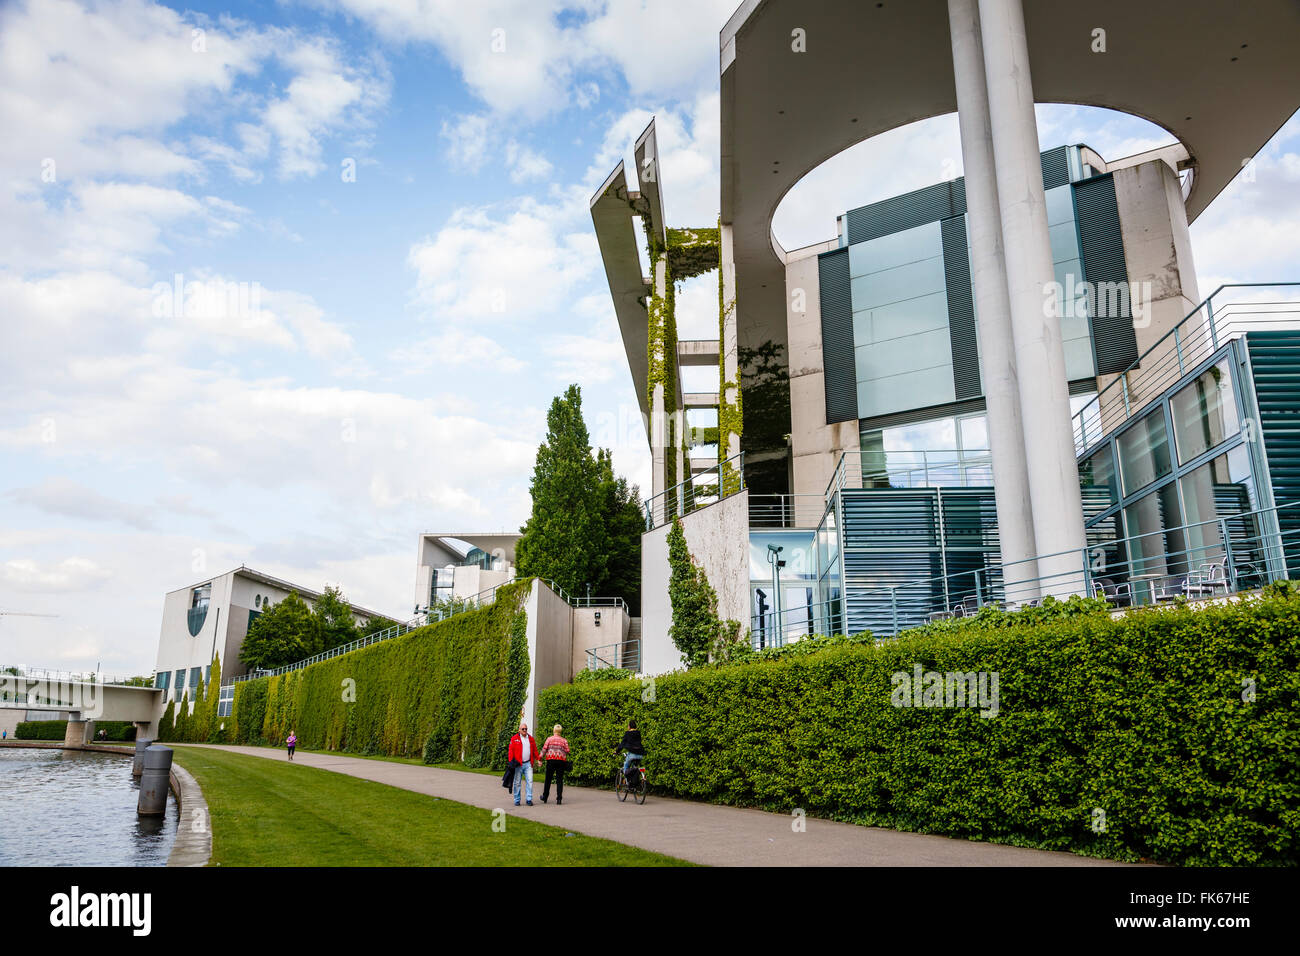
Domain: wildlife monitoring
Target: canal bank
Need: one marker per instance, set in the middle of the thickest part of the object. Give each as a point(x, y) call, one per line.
point(187, 823)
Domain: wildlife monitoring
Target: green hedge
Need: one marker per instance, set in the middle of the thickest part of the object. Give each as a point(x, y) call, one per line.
point(1145, 718)
point(41, 730)
point(451, 675)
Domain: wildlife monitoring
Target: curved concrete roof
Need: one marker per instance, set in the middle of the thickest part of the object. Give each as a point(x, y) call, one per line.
point(1220, 76)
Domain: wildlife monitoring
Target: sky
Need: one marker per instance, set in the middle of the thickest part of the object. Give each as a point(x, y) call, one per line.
point(375, 212)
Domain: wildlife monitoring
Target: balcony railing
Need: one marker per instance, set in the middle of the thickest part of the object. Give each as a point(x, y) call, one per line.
point(1229, 312)
point(786, 511)
point(1215, 558)
point(971, 468)
point(708, 487)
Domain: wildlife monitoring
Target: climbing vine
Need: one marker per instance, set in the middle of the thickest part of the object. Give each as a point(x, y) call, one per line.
point(731, 416)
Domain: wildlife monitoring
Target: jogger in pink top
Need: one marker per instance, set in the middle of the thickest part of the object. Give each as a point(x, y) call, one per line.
point(291, 741)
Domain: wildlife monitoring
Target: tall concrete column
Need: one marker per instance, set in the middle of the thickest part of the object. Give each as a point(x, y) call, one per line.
point(728, 344)
point(992, 308)
point(1035, 322)
point(658, 417)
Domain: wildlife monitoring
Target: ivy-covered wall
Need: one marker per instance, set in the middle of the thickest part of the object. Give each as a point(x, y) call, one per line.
point(454, 676)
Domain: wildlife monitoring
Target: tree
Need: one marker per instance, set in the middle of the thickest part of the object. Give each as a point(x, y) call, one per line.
point(377, 624)
point(695, 629)
point(624, 525)
point(181, 729)
point(283, 635)
point(166, 723)
point(565, 539)
point(334, 617)
point(207, 728)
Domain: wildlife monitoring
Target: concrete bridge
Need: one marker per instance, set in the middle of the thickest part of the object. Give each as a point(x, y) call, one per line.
point(86, 702)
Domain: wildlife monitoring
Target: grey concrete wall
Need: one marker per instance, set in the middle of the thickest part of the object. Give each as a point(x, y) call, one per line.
point(1158, 251)
point(816, 446)
point(613, 629)
point(10, 718)
point(718, 538)
point(550, 645)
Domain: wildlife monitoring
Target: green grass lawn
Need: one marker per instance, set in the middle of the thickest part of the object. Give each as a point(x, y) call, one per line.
point(267, 813)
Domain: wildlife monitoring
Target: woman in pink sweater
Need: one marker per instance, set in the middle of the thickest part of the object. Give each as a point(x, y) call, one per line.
point(556, 754)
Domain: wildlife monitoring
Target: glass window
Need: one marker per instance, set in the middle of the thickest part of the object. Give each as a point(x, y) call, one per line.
point(180, 683)
point(945, 452)
point(195, 674)
point(1222, 488)
point(1144, 452)
point(796, 552)
point(1097, 484)
point(1205, 412)
point(1155, 543)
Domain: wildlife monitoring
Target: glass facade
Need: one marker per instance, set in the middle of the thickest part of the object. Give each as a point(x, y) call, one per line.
point(797, 583)
point(1144, 452)
point(952, 451)
point(1204, 412)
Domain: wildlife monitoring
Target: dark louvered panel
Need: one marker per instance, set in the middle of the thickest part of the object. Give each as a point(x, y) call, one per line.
point(837, 337)
point(902, 212)
point(1056, 167)
point(1114, 344)
point(961, 309)
point(898, 571)
point(889, 519)
point(1275, 366)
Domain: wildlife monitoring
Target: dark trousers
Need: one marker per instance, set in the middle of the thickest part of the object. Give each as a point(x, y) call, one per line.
point(555, 769)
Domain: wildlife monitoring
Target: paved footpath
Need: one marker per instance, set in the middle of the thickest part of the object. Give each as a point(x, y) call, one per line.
point(699, 832)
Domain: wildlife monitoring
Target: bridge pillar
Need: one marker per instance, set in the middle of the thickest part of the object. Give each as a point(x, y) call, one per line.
point(75, 735)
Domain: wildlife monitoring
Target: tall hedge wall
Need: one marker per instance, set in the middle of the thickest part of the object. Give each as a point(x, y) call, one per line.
point(1181, 726)
point(41, 730)
point(389, 697)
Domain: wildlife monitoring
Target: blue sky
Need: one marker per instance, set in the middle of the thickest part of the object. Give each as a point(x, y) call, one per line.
point(413, 321)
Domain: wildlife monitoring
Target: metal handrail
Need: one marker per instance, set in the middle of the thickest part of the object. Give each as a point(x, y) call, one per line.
point(786, 511)
point(68, 677)
point(425, 618)
point(618, 656)
point(728, 478)
point(1181, 348)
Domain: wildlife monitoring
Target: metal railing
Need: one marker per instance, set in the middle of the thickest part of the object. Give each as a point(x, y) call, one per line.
point(68, 677)
point(723, 480)
point(776, 629)
point(1218, 557)
point(624, 654)
point(1196, 336)
point(429, 615)
point(786, 511)
point(971, 468)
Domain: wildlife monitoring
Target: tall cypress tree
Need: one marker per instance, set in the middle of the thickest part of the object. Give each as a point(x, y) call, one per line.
point(565, 538)
point(624, 523)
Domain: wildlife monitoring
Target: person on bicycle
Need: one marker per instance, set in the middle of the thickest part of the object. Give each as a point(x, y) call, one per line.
point(631, 743)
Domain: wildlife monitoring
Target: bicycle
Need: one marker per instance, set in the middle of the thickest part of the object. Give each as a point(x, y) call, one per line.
point(637, 784)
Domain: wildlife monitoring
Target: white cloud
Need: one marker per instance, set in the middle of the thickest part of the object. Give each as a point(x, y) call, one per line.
point(526, 164)
point(508, 262)
point(68, 498)
point(453, 348)
point(77, 573)
point(467, 139)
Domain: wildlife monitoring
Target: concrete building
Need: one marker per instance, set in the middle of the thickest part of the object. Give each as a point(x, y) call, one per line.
point(212, 616)
point(461, 566)
point(916, 389)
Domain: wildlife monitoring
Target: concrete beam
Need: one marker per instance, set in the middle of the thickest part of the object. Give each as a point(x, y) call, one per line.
point(700, 400)
point(697, 352)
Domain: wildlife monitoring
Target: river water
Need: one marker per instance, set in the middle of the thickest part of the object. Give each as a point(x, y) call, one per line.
point(77, 808)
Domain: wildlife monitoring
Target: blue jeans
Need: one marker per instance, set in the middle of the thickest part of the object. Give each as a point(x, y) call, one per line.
point(627, 761)
point(524, 771)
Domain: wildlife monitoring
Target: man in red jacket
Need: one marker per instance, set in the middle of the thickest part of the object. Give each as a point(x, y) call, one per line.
point(523, 750)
